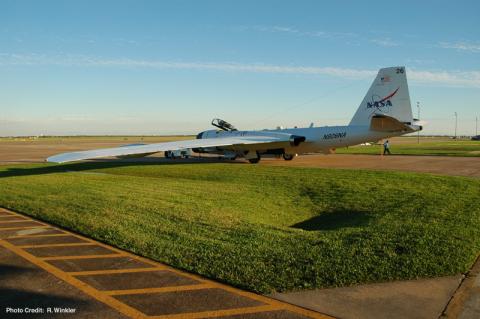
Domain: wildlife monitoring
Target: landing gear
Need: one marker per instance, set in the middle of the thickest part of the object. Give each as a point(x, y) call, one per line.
point(289, 157)
point(253, 158)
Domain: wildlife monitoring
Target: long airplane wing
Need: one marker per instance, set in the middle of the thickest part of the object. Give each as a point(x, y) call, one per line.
point(169, 146)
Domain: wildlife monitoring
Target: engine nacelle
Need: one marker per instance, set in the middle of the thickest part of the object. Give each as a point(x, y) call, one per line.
point(295, 140)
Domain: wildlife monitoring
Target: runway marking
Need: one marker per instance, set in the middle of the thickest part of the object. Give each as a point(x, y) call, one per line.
point(4, 218)
point(82, 257)
point(5, 214)
point(35, 231)
point(113, 271)
point(159, 289)
point(220, 313)
point(39, 235)
point(23, 227)
point(35, 224)
point(17, 221)
point(56, 245)
point(107, 296)
point(119, 251)
point(112, 302)
point(250, 295)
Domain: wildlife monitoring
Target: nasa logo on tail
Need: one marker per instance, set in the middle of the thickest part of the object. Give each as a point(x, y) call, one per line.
point(381, 104)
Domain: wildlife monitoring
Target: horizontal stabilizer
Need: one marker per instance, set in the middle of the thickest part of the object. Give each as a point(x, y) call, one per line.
point(384, 123)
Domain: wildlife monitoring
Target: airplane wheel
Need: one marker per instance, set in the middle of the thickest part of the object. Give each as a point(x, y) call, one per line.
point(254, 160)
point(289, 157)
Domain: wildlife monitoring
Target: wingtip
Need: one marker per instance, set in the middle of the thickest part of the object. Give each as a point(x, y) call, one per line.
point(52, 160)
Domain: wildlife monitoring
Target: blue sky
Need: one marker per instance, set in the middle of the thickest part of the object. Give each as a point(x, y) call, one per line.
point(158, 67)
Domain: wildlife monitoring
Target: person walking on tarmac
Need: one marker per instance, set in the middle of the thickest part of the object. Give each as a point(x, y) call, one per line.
point(386, 148)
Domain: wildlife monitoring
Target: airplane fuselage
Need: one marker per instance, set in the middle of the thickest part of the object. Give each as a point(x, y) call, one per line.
point(317, 139)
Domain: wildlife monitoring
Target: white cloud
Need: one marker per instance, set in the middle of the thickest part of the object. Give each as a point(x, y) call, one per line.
point(294, 31)
point(89, 61)
point(416, 61)
point(347, 36)
point(473, 47)
point(459, 78)
point(449, 78)
point(279, 29)
point(385, 42)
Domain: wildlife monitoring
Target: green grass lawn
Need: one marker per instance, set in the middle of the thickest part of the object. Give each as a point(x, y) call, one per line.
point(262, 228)
point(409, 146)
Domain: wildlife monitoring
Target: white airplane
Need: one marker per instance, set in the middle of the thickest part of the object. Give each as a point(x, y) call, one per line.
point(384, 112)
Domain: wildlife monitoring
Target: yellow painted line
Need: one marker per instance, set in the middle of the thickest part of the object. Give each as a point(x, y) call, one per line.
point(16, 221)
point(218, 313)
point(251, 295)
point(188, 275)
point(25, 227)
point(98, 243)
point(22, 221)
point(114, 249)
point(27, 218)
point(81, 257)
point(3, 210)
point(283, 305)
point(144, 260)
point(12, 216)
point(56, 245)
point(106, 299)
point(113, 271)
point(157, 290)
point(39, 235)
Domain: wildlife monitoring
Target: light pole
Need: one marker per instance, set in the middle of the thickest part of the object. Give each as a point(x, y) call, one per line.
point(456, 117)
point(476, 125)
point(418, 118)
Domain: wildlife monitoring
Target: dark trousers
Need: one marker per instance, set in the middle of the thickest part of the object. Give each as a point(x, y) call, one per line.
point(386, 150)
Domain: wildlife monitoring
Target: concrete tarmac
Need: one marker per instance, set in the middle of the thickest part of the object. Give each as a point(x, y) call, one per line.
point(413, 299)
point(440, 165)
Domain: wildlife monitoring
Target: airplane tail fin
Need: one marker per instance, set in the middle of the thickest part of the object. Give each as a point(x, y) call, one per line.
point(387, 97)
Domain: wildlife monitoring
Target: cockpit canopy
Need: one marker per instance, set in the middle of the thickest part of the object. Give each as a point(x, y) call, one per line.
point(223, 125)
